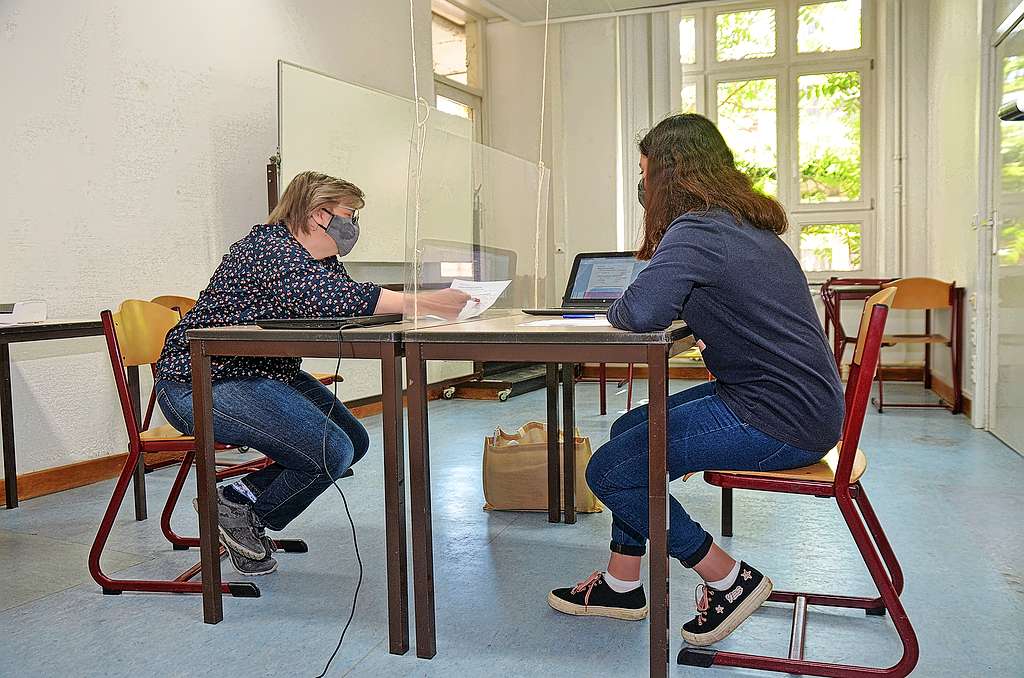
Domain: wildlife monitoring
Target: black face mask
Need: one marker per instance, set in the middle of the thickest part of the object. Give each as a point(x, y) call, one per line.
point(641, 194)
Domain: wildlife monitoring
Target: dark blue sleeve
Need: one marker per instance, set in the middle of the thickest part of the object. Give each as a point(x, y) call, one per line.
point(690, 254)
point(315, 289)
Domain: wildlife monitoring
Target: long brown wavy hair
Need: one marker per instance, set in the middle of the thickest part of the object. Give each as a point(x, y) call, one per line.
point(690, 168)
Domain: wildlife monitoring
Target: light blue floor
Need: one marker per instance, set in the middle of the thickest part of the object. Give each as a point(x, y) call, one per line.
point(949, 496)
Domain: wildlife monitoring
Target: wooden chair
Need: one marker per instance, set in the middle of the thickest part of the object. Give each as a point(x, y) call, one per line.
point(838, 476)
point(929, 294)
point(135, 336)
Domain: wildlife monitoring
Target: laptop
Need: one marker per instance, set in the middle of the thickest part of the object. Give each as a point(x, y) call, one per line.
point(597, 279)
point(329, 323)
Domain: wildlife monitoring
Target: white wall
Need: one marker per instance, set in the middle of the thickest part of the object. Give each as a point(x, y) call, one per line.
point(953, 73)
point(135, 137)
point(580, 126)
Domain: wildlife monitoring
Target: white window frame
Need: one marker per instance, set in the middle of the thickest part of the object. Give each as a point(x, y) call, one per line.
point(471, 96)
point(786, 67)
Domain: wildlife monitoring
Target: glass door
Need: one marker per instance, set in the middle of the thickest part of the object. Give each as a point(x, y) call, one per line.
point(1006, 419)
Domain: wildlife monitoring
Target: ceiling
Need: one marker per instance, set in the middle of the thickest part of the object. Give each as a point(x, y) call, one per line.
point(531, 11)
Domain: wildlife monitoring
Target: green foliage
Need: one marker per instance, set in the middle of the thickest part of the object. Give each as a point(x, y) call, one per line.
point(830, 170)
point(848, 234)
point(745, 35)
point(1011, 245)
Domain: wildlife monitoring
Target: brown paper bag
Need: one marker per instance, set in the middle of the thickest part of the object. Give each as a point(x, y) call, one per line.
point(515, 471)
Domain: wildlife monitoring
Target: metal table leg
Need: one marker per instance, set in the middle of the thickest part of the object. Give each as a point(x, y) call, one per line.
point(554, 466)
point(206, 483)
point(419, 489)
point(657, 365)
point(394, 501)
point(568, 443)
point(7, 415)
point(139, 480)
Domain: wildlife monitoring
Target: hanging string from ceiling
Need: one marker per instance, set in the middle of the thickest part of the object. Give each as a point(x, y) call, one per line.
point(537, 254)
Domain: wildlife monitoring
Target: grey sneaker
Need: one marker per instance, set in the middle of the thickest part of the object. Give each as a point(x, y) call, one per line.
point(248, 566)
point(240, 529)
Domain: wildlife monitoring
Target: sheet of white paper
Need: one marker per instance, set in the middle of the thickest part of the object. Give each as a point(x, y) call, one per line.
point(486, 292)
point(599, 321)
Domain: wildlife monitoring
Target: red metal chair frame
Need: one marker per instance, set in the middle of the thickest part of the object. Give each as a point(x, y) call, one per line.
point(830, 300)
point(867, 532)
point(137, 449)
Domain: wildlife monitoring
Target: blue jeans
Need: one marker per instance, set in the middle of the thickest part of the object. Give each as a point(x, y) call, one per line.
point(286, 423)
point(703, 434)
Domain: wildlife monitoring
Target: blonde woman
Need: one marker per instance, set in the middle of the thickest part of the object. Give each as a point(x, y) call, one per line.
point(286, 268)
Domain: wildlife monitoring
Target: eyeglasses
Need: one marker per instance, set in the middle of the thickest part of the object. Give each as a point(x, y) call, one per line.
point(354, 213)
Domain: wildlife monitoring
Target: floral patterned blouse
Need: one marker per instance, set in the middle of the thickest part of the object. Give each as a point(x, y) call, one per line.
point(266, 274)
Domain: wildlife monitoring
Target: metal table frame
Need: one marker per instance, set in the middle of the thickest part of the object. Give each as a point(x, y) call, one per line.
point(51, 329)
point(383, 344)
point(567, 348)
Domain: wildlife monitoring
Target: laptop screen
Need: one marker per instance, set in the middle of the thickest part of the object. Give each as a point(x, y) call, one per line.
point(603, 277)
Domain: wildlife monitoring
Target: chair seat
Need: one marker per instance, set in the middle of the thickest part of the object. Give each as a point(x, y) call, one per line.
point(823, 471)
point(691, 354)
point(327, 378)
point(894, 339)
point(164, 432)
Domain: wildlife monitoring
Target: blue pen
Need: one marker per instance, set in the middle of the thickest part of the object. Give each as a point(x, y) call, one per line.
point(574, 315)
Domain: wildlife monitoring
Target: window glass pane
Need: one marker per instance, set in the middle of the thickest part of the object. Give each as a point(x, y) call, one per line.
point(1011, 133)
point(747, 120)
point(446, 105)
point(450, 56)
point(689, 98)
point(829, 110)
point(830, 247)
point(745, 35)
point(688, 40)
point(828, 26)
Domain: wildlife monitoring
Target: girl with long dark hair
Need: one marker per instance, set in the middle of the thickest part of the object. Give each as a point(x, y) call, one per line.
point(717, 261)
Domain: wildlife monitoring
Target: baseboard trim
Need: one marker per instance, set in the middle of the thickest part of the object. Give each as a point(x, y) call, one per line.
point(591, 372)
point(48, 481)
point(945, 391)
point(67, 477)
point(59, 478)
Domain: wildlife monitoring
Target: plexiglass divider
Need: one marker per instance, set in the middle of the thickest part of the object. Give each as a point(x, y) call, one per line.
point(476, 222)
point(440, 209)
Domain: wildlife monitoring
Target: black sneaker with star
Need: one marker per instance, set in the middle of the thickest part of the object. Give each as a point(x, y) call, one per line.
point(720, 612)
point(594, 598)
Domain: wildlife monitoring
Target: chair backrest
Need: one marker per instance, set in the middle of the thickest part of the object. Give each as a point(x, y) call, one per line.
point(921, 294)
point(862, 374)
point(176, 303)
point(135, 336)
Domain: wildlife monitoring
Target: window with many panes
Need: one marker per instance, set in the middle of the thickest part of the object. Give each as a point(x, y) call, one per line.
point(790, 85)
point(458, 82)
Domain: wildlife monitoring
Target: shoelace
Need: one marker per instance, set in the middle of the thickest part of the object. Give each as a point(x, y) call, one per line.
point(702, 598)
point(588, 585)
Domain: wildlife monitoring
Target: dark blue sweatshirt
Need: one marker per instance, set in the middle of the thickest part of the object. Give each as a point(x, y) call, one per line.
point(743, 293)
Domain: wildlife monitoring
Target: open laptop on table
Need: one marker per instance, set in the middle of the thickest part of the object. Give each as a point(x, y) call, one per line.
point(597, 279)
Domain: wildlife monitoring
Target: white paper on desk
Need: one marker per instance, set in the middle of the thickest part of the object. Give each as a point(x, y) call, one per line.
point(599, 321)
point(487, 292)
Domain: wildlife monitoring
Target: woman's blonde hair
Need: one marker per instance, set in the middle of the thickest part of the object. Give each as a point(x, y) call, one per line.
point(310, 191)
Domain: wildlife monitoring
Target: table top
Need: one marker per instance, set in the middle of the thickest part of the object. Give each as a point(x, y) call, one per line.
point(391, 333)
point(507, 327)
point(56, 326)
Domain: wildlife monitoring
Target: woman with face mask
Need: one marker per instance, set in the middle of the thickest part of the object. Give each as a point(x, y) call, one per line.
point(286, 268)
point(717, 261)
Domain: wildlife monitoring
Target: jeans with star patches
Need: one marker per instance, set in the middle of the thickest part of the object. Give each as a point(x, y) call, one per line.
point(703, 434)
point(286, 422)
